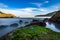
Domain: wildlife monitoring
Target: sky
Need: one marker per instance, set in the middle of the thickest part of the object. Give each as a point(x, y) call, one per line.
point(29, 8)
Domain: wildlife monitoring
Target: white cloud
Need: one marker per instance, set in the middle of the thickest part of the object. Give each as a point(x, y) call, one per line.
point(37, 4)
point(30, 12)
point(2, 5)
point(40, 4)
point(16, 12)
point(43, 10)
point(54, 7)
point(46, 2)
point(26, 12)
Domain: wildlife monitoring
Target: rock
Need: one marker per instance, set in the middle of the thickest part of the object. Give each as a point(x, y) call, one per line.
point(14, 25)
point(3, 26)
point(36, 22)
point(46, 19)
point(20, 21)
point(26, 22)
point(55, 17)
point(54, 20)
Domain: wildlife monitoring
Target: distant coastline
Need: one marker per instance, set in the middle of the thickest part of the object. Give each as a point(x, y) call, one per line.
point(4, 15)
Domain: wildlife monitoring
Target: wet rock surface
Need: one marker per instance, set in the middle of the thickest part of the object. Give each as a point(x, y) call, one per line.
point(3, 26)
point(54, 20)
point(36, 22)
point(20, 21)
point(45, 20)
point(14, 25)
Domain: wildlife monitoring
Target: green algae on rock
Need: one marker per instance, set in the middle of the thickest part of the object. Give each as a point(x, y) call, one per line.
point(35, 33)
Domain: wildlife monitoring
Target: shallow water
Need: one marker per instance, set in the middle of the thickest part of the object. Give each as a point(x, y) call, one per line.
point(8, 21)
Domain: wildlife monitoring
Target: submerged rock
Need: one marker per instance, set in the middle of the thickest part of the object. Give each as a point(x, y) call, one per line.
point(3, 26)
point(26, 22)
point(20, 21)
point(14, 25)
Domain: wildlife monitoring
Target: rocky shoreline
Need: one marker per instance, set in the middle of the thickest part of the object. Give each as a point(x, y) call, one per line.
point(34, 22)
point(54, 20)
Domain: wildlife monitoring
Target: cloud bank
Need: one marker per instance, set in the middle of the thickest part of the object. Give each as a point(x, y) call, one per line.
point(29, 12)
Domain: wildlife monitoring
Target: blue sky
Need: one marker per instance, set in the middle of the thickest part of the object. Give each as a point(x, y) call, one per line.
point(27, 8)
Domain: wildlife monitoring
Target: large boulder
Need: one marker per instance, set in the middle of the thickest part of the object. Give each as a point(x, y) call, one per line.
point(14, 25)
point(36, 22)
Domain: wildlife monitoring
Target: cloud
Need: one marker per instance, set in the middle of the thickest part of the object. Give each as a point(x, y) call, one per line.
point(37, 4)
point(26, 12)
point(54, 7)
point(2, 5)
point(46, 2)
point(29, 12)
point(40, 4)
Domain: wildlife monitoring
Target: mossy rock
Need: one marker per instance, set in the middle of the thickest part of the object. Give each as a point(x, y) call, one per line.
point(35, 33)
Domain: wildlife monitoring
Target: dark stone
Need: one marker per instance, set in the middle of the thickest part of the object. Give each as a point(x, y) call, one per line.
point(14, 25)
point(45, 20)
point(20, 21)
point(26, 22)
point(3, 26)
point(36, 22)
point(54, 20)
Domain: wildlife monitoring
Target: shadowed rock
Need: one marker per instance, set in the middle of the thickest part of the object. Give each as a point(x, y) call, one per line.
point(36, 22)
point(3, 26)
point(14, 25)
point(56, 17)
point(26, 22)
point(45, 20)
point(20, 21)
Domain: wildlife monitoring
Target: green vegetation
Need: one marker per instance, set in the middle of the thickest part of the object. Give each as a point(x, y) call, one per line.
point(35, 33)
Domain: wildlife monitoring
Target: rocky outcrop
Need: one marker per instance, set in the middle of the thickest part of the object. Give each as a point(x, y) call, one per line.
point(36, 22)
point(54, 20)
point(56, 17)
